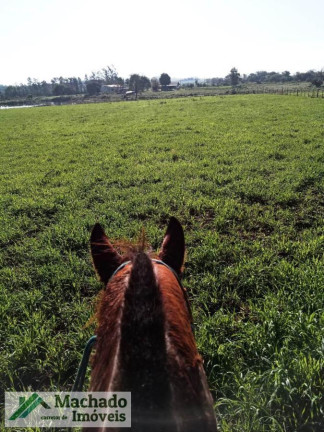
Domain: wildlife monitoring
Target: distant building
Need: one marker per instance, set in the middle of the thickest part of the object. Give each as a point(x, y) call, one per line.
point(170, 87)
point(204, 81)
point(111, 88)
point(130, 95)
point(188, 81)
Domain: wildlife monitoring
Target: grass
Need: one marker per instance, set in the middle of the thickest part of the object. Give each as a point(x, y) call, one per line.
point(244, 174)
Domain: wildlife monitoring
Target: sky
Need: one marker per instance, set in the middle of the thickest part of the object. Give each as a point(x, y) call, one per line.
point(43, 39)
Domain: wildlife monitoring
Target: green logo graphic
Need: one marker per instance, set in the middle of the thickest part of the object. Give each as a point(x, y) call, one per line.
point(27, 406)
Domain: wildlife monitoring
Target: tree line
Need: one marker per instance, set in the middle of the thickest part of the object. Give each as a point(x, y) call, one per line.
point(59, 86)
point(91, 84)
point(263, 77)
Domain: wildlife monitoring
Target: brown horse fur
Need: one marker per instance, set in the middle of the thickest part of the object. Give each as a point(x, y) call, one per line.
point(145, 343)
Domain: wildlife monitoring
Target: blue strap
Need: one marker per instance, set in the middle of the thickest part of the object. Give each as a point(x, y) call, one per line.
point(156, 261)
point(124, 264)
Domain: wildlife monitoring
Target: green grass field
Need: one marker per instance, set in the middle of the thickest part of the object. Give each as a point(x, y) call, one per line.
point(244, 175)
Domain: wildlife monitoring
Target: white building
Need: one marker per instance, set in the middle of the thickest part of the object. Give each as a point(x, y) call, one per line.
point(111, 88)
point(188, 81)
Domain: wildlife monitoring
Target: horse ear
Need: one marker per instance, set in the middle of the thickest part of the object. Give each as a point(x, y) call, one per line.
point(105, 258)
point(173, 245)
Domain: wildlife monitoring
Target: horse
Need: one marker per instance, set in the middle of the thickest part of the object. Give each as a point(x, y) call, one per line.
point(145, 341)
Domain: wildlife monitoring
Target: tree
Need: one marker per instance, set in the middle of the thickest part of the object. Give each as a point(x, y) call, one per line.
point(217, 81)
point(10, 92)
point(134, 81)
point(286, 76)
point(317, 82)
point(45, 88)
point(305, 76)
point(234, 76)
point(2, 90)
point(165, 79)
point(145, 83)
point(60, 89)
point(318, 79)
point(93, 87)
point(155, 84)
point(274, 77)
point(139, 83)
point(110, 75)
point(81, 85)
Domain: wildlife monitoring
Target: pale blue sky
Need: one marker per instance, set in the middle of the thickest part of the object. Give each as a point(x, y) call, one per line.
point(205, 38)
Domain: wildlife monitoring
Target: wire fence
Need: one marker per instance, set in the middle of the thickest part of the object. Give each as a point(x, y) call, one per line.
point(313, 93)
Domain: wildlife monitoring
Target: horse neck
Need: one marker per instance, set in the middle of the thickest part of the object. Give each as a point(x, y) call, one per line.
point(109, 316)
point(131, 328)
point(146, 346)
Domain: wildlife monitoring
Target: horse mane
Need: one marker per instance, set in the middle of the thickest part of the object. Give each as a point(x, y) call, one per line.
point(128, 249)
point(143, 353)
point(108, 314)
